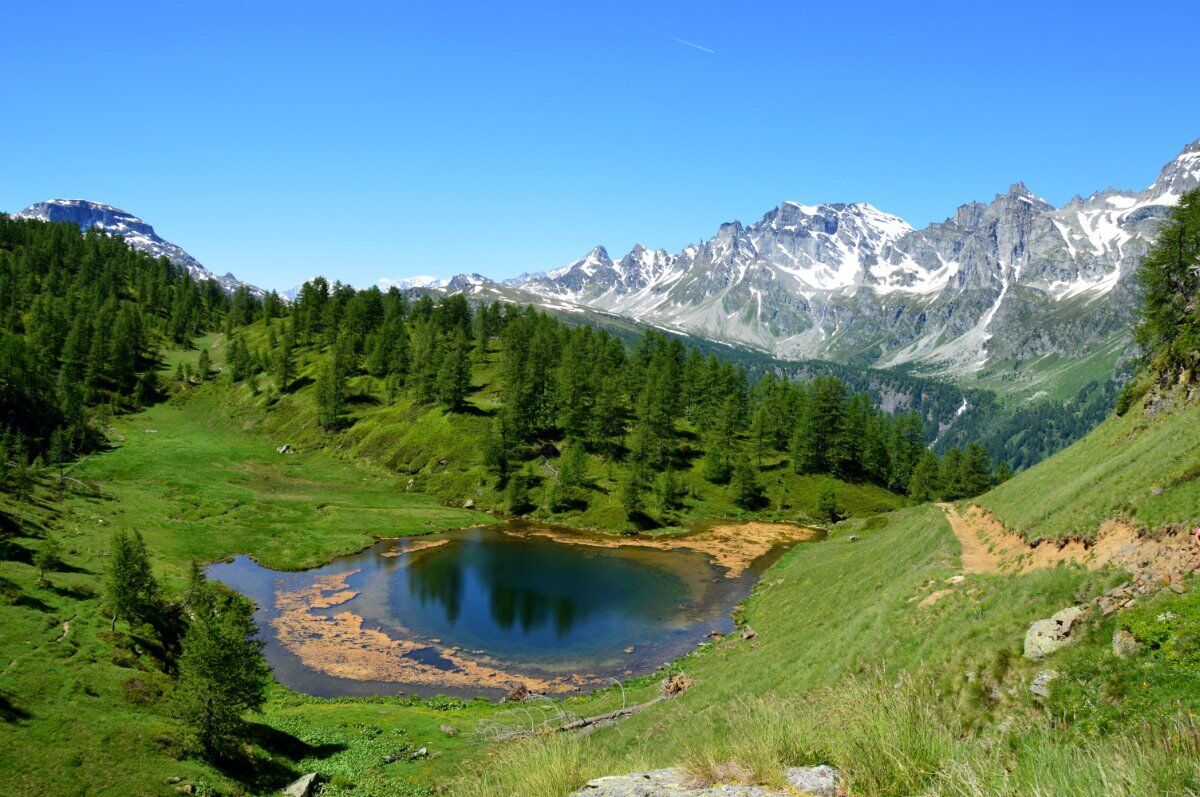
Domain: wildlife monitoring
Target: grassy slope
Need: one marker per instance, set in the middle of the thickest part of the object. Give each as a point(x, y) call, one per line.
point(1142, 466)
point(825, 614)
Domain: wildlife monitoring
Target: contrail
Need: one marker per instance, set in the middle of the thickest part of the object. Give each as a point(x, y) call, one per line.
point(692, 44)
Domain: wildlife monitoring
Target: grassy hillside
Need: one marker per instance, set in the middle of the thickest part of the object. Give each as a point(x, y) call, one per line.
point(849, 668)
point(1143, 467)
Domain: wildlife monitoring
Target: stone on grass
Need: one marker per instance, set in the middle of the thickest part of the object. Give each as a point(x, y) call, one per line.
point(1046, 636)
point(819, 781)
point(1041, 683)
point(305, 786)
point(1123, 644)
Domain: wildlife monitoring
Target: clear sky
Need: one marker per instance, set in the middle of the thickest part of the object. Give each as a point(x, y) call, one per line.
point(365, 140)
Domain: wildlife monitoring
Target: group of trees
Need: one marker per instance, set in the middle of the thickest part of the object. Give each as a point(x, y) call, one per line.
point(82, 317)
point(220, 673)
point(656, 405)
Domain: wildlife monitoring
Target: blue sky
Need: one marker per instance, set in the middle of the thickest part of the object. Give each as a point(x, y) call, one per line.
point(365, 140)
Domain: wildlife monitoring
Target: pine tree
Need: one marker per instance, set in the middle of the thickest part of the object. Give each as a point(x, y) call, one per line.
point(330, 392)
point(666, 493)
point(454, 374)
point(131, 593)
point(284, 370)
point(222, 673)
point(1169, 317)
point(203, 366)
point(827, 504)
point(747, 491)
point(925, 482)
point(517, 492)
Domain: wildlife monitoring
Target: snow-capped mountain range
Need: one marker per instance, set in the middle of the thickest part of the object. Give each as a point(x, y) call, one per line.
point(137, 233)
point(1014, 279)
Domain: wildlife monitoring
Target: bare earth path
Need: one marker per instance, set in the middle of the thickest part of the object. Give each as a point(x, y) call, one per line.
point(976, 556)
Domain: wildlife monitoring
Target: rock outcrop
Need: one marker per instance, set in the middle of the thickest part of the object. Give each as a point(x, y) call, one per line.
point(820, 781)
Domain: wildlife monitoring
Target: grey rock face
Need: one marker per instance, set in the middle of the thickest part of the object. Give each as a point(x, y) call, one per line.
point(836, 280)
point(137, 233)
point(819, 781)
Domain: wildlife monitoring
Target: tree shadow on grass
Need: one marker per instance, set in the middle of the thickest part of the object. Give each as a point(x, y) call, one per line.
point(10, 711)
point(270, 774)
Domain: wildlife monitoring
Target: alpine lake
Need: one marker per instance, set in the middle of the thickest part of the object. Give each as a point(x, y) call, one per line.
point(476, 611)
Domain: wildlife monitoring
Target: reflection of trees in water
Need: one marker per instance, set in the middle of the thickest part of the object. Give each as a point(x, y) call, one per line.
point(523, 588)
point(530, 608)
point(440, 579)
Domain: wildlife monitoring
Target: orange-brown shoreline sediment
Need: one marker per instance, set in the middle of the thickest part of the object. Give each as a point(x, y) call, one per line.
point(340, 646)
point(733, 546)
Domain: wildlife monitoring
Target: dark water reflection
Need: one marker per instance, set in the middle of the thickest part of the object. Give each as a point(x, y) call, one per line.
point(526, 604)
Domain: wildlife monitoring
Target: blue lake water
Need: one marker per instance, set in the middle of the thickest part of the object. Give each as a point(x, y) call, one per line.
point(497, 601)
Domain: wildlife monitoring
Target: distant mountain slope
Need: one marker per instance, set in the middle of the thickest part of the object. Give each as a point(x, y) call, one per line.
point(137, 233)
point(1011, 281)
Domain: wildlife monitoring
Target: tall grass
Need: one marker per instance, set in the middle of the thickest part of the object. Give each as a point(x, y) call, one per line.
point(888, 739)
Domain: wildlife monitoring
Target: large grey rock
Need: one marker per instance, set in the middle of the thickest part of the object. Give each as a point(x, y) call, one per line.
point(305, 786)
point(819, 781)
point(1046, 636)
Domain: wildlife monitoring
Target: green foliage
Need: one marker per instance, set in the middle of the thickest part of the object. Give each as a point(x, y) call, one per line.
point(331, 394)
point(48, 557)
point(747, 491)
point(130, 590)
point(222, 673)
point(1169, 318)
point(827, 505)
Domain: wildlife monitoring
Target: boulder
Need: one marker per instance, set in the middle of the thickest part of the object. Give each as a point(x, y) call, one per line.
point(1123, 644)
point(1046, 636)
point(469, 503)
point(821, 781)
point(305, 786)
point(1041, 683)
point(286, 448)
point(817, 781)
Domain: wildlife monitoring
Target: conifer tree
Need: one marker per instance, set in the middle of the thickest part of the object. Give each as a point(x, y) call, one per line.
point(925, 482)
point(222, 673)
point(131, 593)
point(330, 389)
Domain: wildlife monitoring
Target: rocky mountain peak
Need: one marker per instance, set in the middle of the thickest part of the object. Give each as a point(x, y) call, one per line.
point(139, 235)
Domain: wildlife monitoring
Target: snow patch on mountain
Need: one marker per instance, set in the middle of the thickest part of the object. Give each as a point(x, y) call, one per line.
point(137, 233)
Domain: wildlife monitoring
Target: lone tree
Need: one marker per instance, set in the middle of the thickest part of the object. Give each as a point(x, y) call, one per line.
point(48, 558)
point(129, 586)
point(222, 673)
